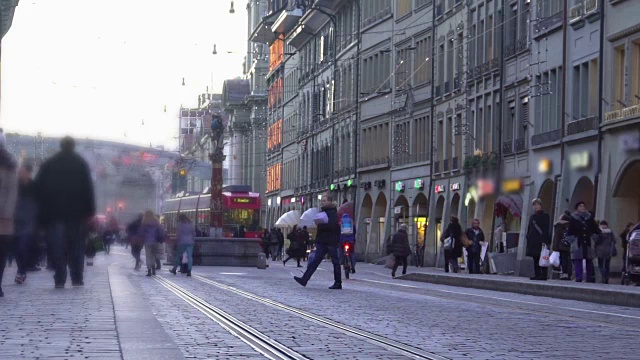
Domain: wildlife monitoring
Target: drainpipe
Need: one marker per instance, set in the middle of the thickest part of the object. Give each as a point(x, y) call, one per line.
point(431, 178)
point(563, 117)
point(600, 107)
point(357, 122)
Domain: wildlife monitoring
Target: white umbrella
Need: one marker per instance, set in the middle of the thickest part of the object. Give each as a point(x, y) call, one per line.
point(307, 218)
point(289, 219)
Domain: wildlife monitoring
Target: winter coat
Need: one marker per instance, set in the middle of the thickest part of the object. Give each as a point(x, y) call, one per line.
point(558, 233)
point(329, 233)
point(455, 231)
point(8, 192)
point(400, 244)
point(476, 247)
point(605, 243)
point(132, 232)
point(26, 210)
point(581, 229)
point(536, 238)
point(186, 233)
point(65, 189)
point(151, 233)
point(297, 245)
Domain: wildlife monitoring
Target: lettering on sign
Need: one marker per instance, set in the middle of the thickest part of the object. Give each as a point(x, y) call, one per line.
point(580, 160)
point(512, 186)
point(454, 186)
point(242, 200)
point(419, 184)
point(439, 189)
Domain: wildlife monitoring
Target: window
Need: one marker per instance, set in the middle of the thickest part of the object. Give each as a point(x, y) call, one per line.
point(487, 128)
point(402, 68)
point(524, 21)
point(449, 139)
point(547, 8)
point(458, 140)
point(523, 117)
point(421, 139)
point(480, 129)
point(634, 72)
point(403, 7)
point(618, 77)
point(401, 143)
point(420, 3)
point(509, 122)
point(489, 37)
point(439, 141)
point(376, 72)
point(481, 34)
point(440, 69)
point(374, 10)
point(422, 62)
point(474, 40)
point(585, 90)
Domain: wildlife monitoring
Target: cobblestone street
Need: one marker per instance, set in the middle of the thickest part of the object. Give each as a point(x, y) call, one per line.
point(120, 313)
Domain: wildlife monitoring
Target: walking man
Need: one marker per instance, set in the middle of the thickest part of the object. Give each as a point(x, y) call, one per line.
point(65, 193)
point(400, 249)
point(475, 234)
point(537, 235)
point(327, 239)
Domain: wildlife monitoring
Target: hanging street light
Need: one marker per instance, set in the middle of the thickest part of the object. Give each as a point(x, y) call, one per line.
point(182, 81)
point(215, 51)
point(231, 11)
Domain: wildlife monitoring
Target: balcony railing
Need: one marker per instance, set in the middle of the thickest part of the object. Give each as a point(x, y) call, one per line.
point(628, 112)
point(547, 137)
point(495, 64)
point(582, 125)
point(507, 147)
point(521, 145)
point(548, 22)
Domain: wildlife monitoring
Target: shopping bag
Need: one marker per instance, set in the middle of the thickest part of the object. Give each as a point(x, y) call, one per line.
point(554, 259)
point(391, 261)
point(185, 259)
point(448, 243)
point(544, 257)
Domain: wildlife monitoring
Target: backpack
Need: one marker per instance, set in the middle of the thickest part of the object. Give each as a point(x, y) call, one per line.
point(346, 226)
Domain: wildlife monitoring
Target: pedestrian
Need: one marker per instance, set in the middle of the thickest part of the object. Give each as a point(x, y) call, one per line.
point(152, 235)
point(453, 252)
point(497, 238)
point(108, 239)
point(605, 249)
point(400, 249)
point(185, 240)
point(25, 220)
point(296, 248)
point(582, 227)
point(136, 241)
point(266, 243)
point(562, 245)
point(66, 206)
point(347, 237)
point(327, 238)
point(241, 232)
point(476, 236)
point(624, 242)
point(280, 243)
point(538, 235)
point(8, 199)
point(306, 238)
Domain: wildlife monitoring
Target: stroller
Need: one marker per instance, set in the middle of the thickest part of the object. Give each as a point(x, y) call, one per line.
point(632, 261)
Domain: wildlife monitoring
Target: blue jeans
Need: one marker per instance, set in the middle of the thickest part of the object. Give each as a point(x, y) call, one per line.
point(23, 244)
point(352, 255)
point(604, 265)
point(321, 251)
point(67, 249)
point(178, 259)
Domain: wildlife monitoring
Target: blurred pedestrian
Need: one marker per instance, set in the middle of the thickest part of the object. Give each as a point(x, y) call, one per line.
point(266, 243)
point(624, 242)
point(8, 198)
point(476, 236)
point(400, 249)
point(280, 243)
point(108, 238)
point(582, 227)
point(25, 220)
point(453, 235)
point(537, 236)
point(67, 205)
point(152, 235)
point(136, 241)
point(562, 244)
point(327, 239)
point(297, 247)
point(186, 233)
point(306, 238)
point(605, 249)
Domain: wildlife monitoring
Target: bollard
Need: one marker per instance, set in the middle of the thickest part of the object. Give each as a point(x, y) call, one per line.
point(262, 261)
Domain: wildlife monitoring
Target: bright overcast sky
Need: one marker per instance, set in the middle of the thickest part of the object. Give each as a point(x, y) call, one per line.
point(97, 68)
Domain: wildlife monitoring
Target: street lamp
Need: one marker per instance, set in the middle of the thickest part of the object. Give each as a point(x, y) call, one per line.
point(215, 52)
point(182, 81)
point(231, 11)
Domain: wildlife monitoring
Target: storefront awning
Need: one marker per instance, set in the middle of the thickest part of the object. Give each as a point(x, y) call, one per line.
point(511, 203)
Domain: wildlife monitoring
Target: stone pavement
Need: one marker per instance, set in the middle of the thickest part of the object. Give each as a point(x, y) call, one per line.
point(611, 294)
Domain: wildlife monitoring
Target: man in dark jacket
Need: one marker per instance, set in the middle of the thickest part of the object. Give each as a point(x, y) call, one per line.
point(136, 242)
point(327, 239)
point(538, 234)
point(65, 192)
point(582, 227)
point(25, 220)
point(400, 249)
point(476, 236)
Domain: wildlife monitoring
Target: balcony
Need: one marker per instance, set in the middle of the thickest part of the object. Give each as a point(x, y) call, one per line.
point(521, 145)
point(507, 147)
point(550, 22)
point(494, 64)
point(582, 125)
point(628, 112)
point(547, 137)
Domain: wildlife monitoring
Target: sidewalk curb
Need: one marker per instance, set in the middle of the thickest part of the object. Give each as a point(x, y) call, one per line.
point(600, 296)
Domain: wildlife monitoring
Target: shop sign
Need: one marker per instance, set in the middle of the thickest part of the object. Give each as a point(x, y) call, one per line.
point(350, 183)
point(400, 186)
point(455, 186)
point(581, 160)
point(544, 166)
point(333, 187)
point(439, 189)
point(485, 187)
point(269, 202)
point(512, 186)
point(419, 184)
point(302, 200)
point(293, 199)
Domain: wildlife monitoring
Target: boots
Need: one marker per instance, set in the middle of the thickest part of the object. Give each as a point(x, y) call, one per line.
point(158, 265)
point(188, 272)
point(153, 271)
point(336, 286)
point(173, 271)
point(149, 272)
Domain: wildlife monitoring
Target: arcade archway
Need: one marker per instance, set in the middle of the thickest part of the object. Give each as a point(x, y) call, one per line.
point(583, 191)
point(378, 223)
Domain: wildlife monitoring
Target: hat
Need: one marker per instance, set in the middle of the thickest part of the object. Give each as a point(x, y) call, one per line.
point(536, 201)
point(403, 227)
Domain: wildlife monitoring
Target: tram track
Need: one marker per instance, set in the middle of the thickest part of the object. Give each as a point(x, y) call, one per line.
point(384, 342)
point(263, 344)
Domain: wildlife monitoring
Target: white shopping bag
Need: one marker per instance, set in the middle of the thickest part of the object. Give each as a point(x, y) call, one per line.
point(185, 259)
point(544, 257)
point(554, 259)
